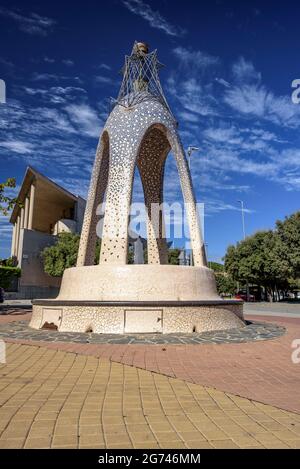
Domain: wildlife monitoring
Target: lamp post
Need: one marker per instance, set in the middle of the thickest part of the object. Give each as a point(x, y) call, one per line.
point(243, 217)
point(244, 236)
point(190, 151)
point(206, 246)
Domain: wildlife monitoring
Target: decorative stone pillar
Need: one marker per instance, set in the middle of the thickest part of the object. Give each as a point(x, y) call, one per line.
point(22, 218)
point(26, 218)
point(31, 206)
point(13, 241)
point(18, 226)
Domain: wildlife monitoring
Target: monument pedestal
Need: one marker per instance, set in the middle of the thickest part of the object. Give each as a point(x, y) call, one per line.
point(138, 299)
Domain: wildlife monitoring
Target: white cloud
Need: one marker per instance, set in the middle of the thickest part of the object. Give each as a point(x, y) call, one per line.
point(53, 77)
point(102, 80)
point(48, 139)
point(154, 18)
point(188, 116)
point(228, 135)
point(8, 64)
point(248, 99)
point(85, 118)
point(49, 60)
point(246, 139)
point(192, 96)
point(103, 66)
point(57, 119)
point(68, 62)
point(195, 59)
point(45, 76)
point(263, 134)
point(223, 82)
point(17, 146)
point(56, 94)
point(32, 24)
point(244, 71)
point(217, 205)
point(257, 101)
point(34, 91)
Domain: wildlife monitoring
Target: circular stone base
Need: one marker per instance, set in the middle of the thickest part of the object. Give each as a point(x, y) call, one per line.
point(137, 317)
point(255, 331)
point(138, 282)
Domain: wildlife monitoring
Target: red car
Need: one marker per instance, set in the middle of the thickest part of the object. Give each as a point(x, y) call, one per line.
point(242, 295)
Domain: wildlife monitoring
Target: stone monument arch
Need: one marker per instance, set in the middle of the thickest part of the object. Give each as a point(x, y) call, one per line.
point(114, 297)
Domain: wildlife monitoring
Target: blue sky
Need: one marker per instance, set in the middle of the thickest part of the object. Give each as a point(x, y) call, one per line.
point(229, 69)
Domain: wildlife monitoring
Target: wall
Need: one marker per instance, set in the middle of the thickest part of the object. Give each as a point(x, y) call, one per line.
point(34, 281)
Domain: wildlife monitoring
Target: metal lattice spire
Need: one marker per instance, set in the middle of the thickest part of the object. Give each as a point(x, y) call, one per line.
point(141, 78)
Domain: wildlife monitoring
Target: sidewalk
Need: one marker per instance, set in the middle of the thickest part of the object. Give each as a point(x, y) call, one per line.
point(55, 399)
point(261, 370)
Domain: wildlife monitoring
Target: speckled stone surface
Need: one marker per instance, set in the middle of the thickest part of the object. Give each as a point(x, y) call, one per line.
point(114, 319)
point(255, 331)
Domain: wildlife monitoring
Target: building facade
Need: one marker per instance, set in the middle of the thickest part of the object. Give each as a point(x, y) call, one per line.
point(46, 209)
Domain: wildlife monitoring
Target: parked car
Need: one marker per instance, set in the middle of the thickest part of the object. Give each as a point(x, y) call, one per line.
point(1, 295)
point(242, 295)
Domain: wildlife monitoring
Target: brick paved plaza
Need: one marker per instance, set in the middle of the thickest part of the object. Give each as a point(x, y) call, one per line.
point(74, 395)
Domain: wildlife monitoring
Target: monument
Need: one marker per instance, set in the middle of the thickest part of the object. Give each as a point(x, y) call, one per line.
point(113, 296)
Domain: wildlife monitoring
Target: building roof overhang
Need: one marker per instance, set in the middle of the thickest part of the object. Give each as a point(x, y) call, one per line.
point(33, 176)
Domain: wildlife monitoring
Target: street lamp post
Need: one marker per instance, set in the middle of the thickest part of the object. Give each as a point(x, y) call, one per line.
point(244, 236)
point(206, 246)
point(190, 151)
point(243, 217)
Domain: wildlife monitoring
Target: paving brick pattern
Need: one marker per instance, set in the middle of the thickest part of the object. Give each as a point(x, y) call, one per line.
point(262, 371)
point(57, 399)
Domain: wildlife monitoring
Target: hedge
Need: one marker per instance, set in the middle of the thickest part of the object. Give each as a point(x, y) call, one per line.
point(7, 274)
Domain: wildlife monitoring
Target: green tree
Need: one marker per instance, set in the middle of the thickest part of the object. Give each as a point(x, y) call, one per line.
point(130, 255)
point(257, 260)
point(6, 202)
point(7, 273)
point(173, 256)
point(9, 262)
point(225, 283)
point(288, 232)
point(216, 266)
point(63, 254)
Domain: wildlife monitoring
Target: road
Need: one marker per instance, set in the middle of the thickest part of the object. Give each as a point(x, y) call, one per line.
point(283, 309)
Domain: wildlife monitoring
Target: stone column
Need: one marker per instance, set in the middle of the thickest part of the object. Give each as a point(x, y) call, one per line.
point(13, 240)
point(31, 206)
point(114, 243)
point(17, 235)
point(26, 213)
point(197, 243)
point(22, 218)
